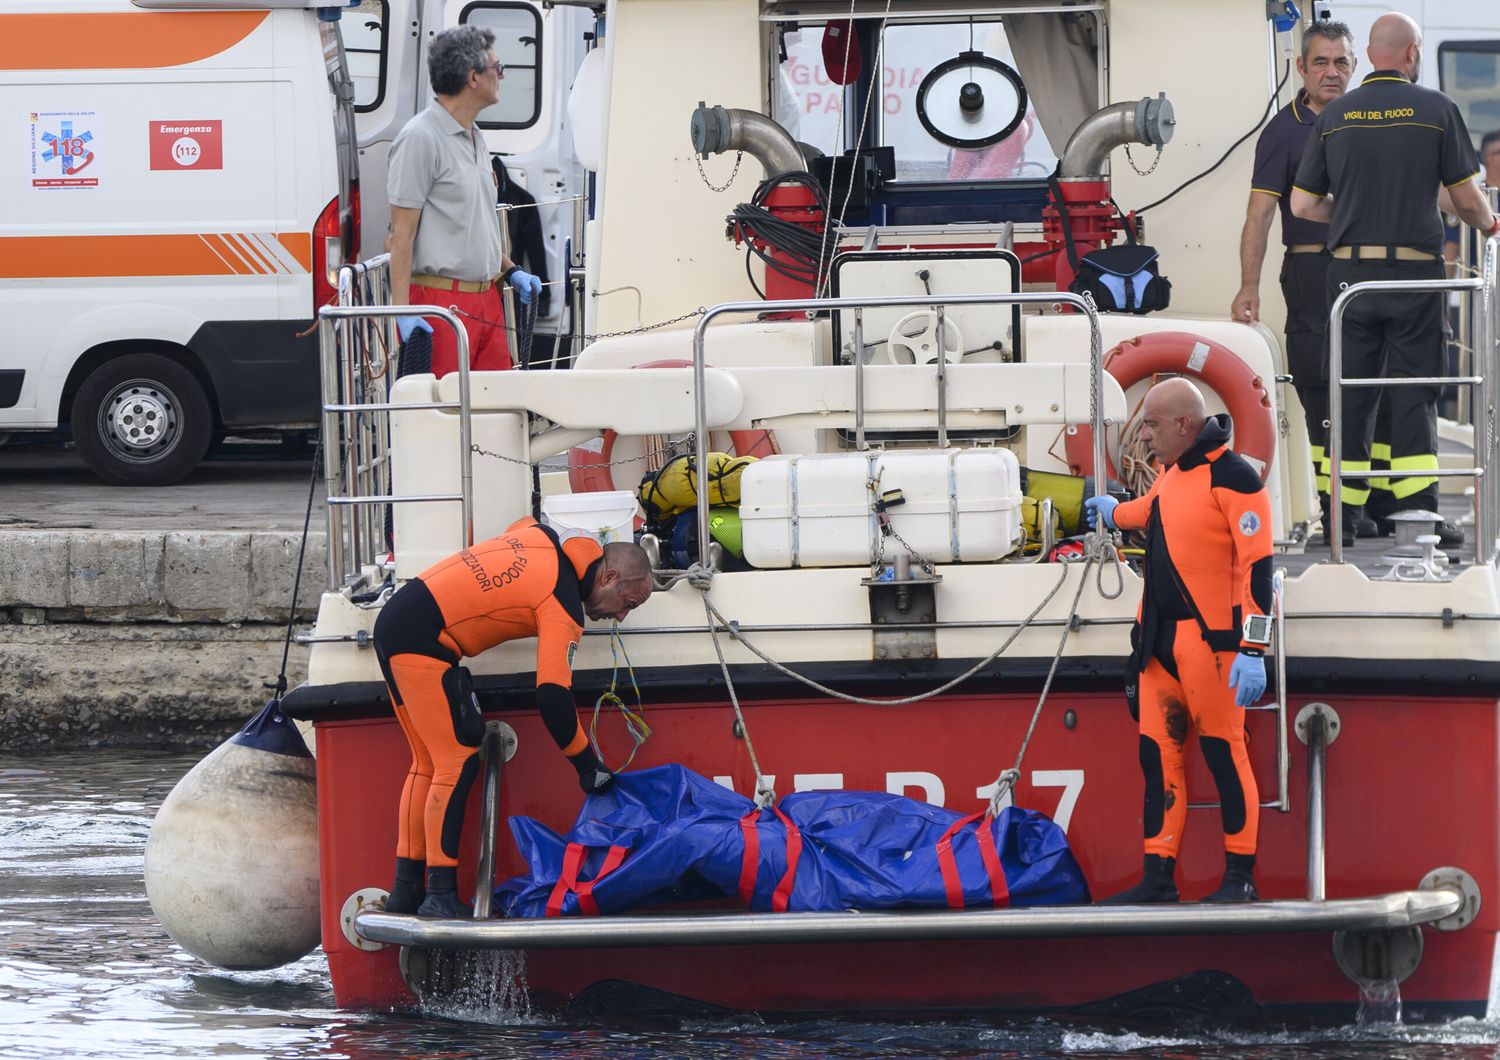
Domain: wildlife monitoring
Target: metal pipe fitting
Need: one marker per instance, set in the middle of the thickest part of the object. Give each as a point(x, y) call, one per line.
point(1144, 121)
point(719, 129)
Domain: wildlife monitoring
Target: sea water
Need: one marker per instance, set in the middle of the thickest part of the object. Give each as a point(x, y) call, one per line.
point(86, 971)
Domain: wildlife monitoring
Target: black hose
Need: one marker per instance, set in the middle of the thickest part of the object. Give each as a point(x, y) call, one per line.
point(803, 254)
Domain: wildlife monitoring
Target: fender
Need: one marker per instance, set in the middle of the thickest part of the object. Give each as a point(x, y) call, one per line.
point(1216, 366)
point(589, 470)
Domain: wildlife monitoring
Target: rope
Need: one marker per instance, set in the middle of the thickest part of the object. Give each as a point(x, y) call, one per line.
point(291, 617)
point(734, 631)
point(765, 795)
point(1007, 779)
point(635, 720)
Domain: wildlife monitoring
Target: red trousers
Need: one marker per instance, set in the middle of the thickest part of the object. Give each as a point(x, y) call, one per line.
point(483, 318)
point(1198, 696)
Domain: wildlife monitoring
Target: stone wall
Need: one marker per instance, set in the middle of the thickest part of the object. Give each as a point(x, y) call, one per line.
point(143, 639)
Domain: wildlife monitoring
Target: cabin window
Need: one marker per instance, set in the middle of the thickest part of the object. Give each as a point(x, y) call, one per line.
point(919, 124)
point(1469, 72)
point(363, 29)
point(518, 44)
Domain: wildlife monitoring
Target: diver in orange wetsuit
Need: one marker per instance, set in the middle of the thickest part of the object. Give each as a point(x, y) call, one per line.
point(526, 582)
point(1201, 632)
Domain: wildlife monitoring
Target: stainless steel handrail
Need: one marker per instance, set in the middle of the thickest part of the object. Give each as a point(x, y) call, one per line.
point(1316, 837)
point(1486, 498)
point(492, 752)
point(1378, 912)
point(812, 305)
point(1283, 736)
point(348, 482)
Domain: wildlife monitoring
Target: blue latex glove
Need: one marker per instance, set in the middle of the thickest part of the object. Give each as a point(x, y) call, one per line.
point(1104, 509)
point(526, 286)
point(1248, 677)
point(406, 325)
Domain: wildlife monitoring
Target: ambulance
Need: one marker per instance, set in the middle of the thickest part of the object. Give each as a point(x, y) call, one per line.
point(178, 187)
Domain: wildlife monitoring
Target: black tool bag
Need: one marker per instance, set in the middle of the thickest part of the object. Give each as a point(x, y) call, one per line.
point(1120, 279)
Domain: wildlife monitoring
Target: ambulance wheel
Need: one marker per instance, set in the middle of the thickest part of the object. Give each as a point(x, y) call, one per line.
point(141, 420)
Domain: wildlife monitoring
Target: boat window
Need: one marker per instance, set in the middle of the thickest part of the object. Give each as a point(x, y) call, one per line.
point(807, 103)
point(954, 105)
point(363, 29)
point(518, 44)
point(1469, 72)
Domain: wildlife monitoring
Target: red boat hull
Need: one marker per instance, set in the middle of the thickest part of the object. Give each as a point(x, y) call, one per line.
point(1411, 786)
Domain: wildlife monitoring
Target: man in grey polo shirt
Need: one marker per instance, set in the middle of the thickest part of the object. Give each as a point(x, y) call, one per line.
point(445, 235)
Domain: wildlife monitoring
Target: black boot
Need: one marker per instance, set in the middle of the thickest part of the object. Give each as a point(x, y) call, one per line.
point(409, 889)
point(593, 775)
point(1239, 880)
point(1156, 884)
point(442, 896)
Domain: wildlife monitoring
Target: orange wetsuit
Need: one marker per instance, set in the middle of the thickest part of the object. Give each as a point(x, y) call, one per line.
point(522, 583)
point(1208, 566)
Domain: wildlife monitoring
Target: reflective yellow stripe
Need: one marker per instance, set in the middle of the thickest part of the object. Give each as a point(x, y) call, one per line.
point(1380, 456)
point(1320, 467)
point(1405, 487)
point(1354, 491)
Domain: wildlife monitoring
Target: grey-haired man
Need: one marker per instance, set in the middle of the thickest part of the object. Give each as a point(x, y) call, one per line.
point(445, 235)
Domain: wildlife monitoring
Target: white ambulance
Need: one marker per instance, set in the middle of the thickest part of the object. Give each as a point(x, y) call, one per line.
point(177, 182)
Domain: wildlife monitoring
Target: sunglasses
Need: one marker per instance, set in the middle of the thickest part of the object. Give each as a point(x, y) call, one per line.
point(497, 66)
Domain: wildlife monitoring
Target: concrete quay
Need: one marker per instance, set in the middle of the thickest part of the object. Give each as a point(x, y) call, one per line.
point(148, 616)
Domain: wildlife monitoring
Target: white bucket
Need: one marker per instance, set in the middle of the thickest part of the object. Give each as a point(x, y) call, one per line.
point(606, 516)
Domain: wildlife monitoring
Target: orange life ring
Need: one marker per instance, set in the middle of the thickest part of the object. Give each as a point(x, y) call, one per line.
point(589, 470)
point(1182, 353)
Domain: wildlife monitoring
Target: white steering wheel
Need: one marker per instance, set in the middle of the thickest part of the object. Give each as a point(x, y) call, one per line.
point(915, 340)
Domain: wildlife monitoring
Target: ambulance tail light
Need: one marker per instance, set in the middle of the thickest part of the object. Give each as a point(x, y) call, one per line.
point(327, 251)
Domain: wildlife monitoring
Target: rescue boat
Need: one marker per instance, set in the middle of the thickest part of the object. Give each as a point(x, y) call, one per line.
point(915, 320)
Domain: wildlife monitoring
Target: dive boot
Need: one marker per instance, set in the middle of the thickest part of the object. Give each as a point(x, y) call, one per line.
point(1239, 880)
point(1156, 884)
point(594, 776)
point(442, 896)
point(409, 889)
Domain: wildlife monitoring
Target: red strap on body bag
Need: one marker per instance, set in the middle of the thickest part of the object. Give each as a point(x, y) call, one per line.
point(751, 861)
point(567, 883)
point(999, 892)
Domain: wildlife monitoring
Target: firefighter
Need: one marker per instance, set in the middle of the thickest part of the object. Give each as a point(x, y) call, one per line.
point(1326, 64)
point(1201, 632)
point(526, 582)
point(1372, 170)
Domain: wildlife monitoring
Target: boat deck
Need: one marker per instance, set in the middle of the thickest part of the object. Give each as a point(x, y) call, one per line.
point(1369, 553)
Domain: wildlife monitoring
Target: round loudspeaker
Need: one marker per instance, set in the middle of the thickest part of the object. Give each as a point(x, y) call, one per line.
point(971, 100)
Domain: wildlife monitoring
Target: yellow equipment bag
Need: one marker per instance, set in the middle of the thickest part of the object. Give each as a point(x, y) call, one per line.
point(1066, 493)
point(674, 488)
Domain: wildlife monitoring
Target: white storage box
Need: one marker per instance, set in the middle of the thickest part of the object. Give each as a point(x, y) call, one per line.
point(606, 516)
point(961, 505)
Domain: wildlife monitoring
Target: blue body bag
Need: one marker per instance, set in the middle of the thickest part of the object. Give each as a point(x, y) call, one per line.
point(667, 834)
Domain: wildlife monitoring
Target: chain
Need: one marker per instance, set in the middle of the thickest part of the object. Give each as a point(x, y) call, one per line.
point(690, 315)
point(647, 327)
point(738, 155)
point(1154, 162)
point(888, 529)
point(922, 560)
